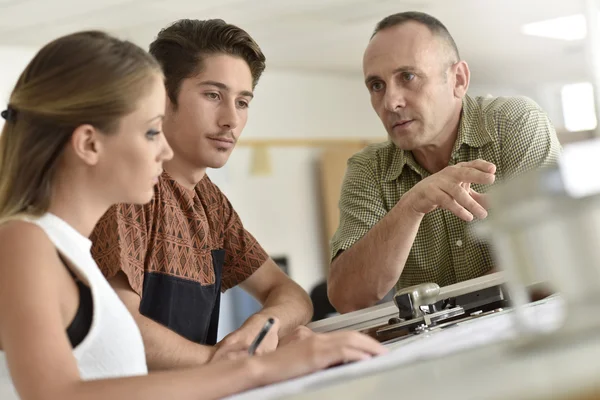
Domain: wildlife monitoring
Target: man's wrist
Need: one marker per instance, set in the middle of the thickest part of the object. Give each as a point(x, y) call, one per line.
point(405, 206)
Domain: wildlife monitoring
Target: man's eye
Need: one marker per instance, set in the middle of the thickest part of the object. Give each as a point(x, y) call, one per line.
point(376, 86)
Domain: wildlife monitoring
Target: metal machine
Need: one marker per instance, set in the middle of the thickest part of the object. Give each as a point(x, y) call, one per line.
point(424, 307)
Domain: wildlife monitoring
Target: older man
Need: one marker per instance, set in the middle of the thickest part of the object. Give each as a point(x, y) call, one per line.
point(406, 204)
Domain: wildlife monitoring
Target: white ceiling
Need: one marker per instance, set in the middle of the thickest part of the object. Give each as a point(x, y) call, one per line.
point(324, 34)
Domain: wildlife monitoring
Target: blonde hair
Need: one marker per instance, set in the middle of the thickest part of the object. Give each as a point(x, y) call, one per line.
point(82, 78)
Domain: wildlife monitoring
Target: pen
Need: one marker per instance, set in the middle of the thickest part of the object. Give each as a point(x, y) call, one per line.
point(261, 335)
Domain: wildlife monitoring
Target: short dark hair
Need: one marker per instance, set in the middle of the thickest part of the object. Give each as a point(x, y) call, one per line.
point(434, 25)
point(181, 48)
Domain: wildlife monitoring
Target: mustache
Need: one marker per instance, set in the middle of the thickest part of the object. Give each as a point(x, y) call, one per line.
point(225, 135)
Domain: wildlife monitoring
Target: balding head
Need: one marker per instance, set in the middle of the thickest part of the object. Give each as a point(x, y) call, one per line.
point(431, 23)
point(415, 79)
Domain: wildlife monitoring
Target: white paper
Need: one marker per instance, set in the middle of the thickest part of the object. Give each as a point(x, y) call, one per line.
point(467, 335)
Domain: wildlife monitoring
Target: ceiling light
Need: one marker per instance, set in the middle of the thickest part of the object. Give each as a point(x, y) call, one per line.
point(572, 27)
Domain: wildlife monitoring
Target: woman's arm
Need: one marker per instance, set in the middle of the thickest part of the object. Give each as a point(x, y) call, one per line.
point(40, 358)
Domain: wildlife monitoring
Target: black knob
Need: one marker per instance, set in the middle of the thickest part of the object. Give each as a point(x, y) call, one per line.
point(405, 306)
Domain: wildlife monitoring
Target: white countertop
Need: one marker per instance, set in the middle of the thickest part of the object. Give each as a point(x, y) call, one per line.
point(477, 359)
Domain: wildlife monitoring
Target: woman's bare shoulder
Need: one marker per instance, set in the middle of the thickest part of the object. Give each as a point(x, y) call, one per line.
point(24, 245)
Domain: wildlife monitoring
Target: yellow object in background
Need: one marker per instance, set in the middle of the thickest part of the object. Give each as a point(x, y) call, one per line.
point(261, 162)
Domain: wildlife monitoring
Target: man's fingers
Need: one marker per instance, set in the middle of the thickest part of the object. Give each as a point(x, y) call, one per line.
point(366, 344)
point(351, 346)
point(446, 201)
point(477, 171)
point(480, 198)
point(473, 175)
point(480, 165)
point(464, 199)
point(346, 355)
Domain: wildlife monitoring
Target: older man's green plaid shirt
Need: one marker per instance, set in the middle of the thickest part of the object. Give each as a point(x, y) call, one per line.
point(513, 133)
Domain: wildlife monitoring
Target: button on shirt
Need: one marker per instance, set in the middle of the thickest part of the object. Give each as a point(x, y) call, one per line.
point(511, 132)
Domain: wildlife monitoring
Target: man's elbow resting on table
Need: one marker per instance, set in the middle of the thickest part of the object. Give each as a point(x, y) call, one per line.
point(345, 295)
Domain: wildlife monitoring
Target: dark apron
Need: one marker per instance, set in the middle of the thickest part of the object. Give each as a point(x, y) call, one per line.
point(185, 306)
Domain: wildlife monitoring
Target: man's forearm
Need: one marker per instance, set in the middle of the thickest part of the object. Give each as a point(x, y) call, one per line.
point(290, 304)
point(166, 349)
point(365, 273)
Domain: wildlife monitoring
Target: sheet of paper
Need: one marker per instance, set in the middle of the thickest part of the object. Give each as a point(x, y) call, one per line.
point(467, 335)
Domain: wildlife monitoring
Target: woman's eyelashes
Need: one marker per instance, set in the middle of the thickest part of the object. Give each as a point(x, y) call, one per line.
point(152, 133)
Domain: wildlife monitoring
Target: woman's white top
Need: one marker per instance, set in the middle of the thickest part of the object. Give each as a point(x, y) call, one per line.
point(113, 347)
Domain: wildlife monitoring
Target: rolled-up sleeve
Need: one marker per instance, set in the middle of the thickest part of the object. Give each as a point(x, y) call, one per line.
point(361, 204)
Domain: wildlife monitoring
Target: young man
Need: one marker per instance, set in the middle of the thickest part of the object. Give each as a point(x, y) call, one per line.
point(170, 260)
point(406, 205)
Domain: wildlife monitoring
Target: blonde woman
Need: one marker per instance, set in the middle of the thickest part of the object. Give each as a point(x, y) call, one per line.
point(83, 132)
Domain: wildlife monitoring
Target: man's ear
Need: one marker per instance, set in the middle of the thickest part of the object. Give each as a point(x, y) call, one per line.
point(462, 79)
point(87, 144)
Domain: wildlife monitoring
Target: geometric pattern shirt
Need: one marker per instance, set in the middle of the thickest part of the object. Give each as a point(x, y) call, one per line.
point(178, 252)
